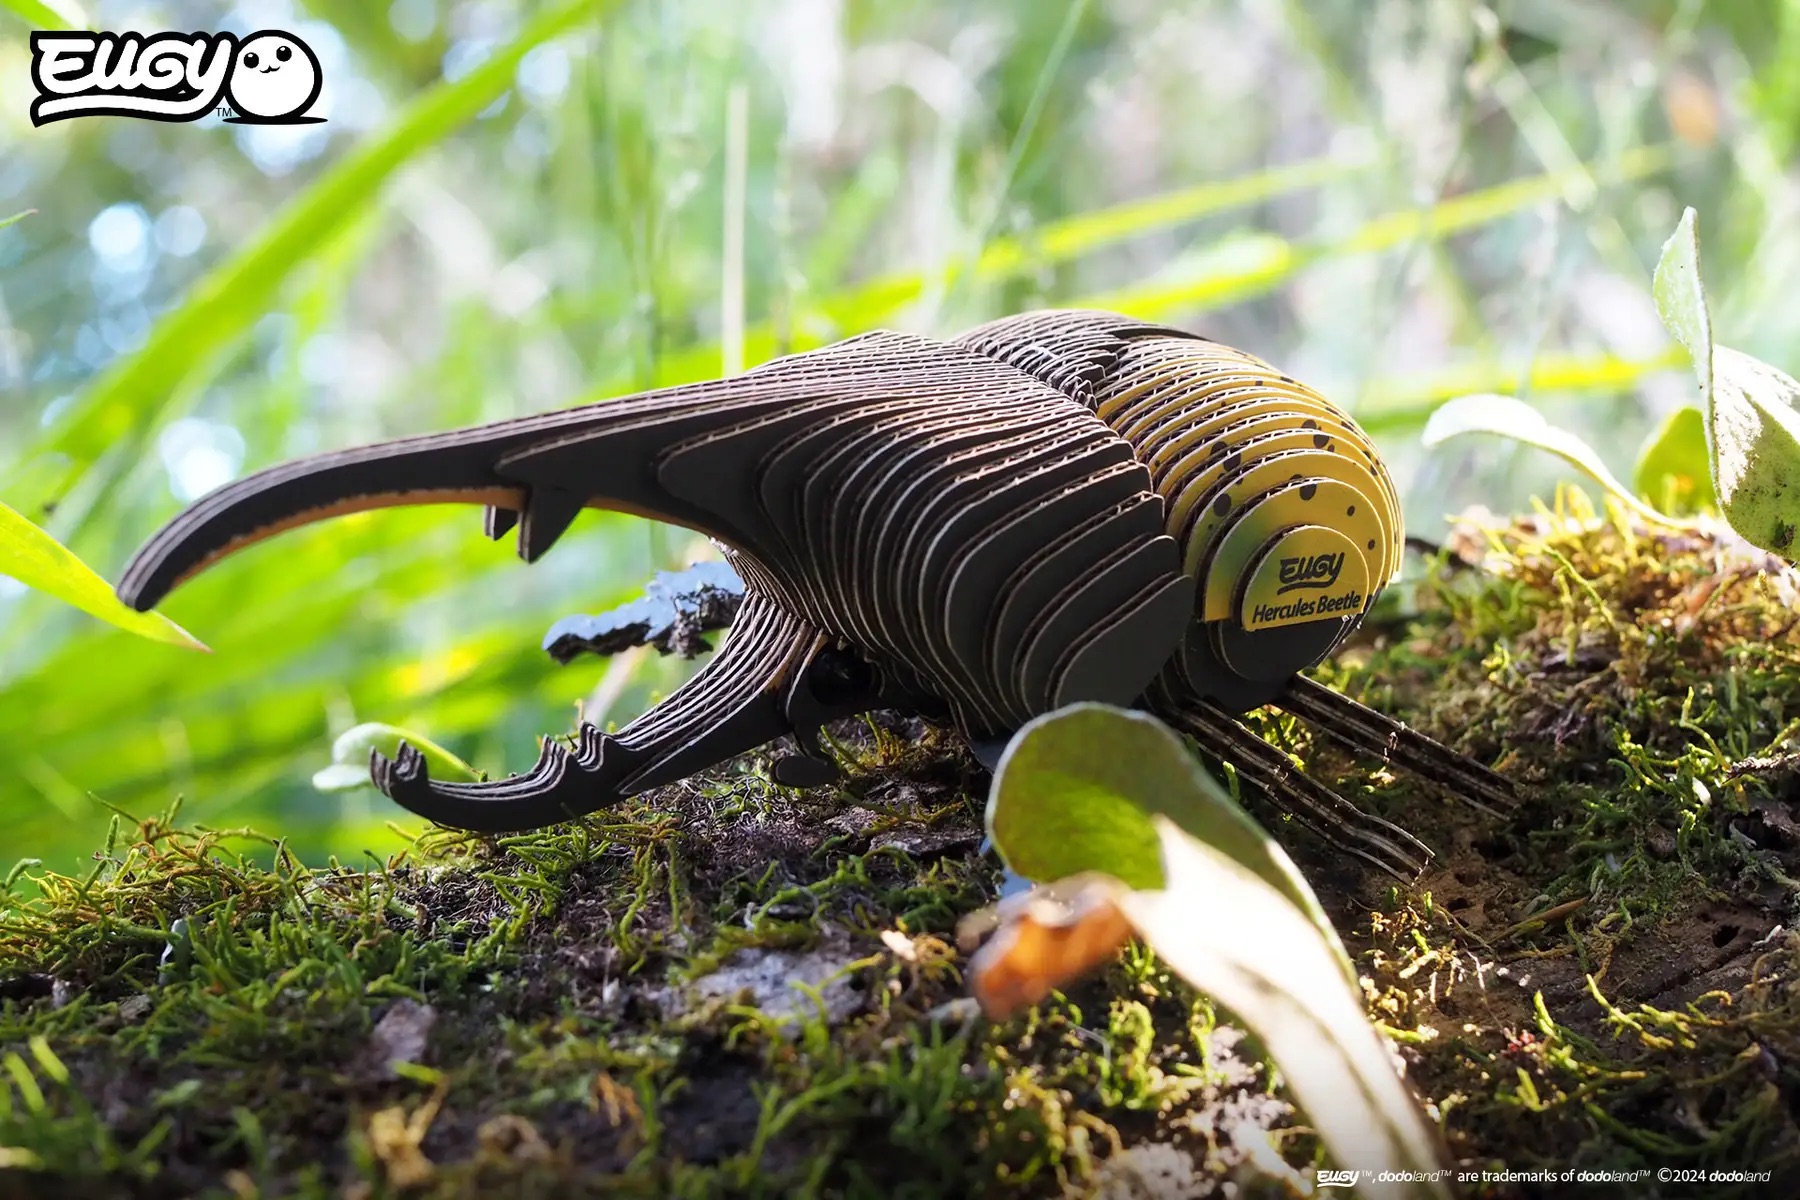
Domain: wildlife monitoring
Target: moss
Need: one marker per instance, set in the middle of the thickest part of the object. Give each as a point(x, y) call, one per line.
point(1600, 979)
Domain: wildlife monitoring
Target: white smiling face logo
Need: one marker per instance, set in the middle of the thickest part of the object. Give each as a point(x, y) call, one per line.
point(275, 79)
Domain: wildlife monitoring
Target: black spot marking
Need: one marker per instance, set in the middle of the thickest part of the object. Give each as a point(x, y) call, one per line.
point(1321, 440)
point(1351, 511)
point(1235, 461)
point(1285, 379)
point(1371, 543)
point(1222, 505)
point(1309, 423)
point(1308, 491)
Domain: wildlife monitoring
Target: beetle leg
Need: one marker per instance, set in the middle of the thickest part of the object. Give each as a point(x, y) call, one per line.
point(1360, 727)
point(674, 614)
point(735, 703)
point(1311, 803)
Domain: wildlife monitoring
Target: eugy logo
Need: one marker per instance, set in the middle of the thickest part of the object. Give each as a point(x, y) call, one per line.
point(1309, 571)
point(1333, 1179)
point(270, 78)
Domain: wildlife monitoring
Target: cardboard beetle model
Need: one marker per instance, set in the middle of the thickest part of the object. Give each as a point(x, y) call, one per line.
point(1053, 507)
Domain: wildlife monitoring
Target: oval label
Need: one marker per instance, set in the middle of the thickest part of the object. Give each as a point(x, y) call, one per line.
point(1309, 573)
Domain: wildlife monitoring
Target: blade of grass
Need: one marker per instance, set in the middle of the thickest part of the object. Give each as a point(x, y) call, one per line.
point(1015, 153)
point(1544, 136)
point(1401, 406)
point(731, 299)
point(38, 561)
point(1075, 237)
point(1262, 263)
point(1283, 259)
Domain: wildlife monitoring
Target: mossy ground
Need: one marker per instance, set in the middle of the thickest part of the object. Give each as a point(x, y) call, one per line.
point(1603, 978)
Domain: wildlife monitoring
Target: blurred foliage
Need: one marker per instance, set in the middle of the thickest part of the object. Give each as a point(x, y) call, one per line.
point(515, 207)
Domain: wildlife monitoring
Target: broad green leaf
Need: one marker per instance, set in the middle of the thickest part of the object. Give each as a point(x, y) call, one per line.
point(37, 560)
point(1756, 449)
point(128, 396)
point(1504, 416)
point(1225, 929)
point(1681, 297)
point(47, 14)
point(1752, 428)
point(349, 769)
point(1673, 470)
point(1077, 790)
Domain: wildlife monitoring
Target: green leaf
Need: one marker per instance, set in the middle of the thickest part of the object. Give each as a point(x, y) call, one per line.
point(130, 394)
point(1674, 471)
point(1507, 417)
point(1756, 449)
point(1225, 929)
point(1078, 790)
point(349, 769)
point(1752, 429)
point(47, 14)
point(1681, 298)
point(18, 216)
point(37, 560)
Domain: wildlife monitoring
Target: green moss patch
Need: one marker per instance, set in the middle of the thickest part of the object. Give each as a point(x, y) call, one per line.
point(725, 988)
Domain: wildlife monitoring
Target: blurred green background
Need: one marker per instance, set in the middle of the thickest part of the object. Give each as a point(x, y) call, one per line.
point(516, 207)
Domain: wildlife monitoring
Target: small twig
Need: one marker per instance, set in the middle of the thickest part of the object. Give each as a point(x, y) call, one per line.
point(1763, 764)
point(1546, 918)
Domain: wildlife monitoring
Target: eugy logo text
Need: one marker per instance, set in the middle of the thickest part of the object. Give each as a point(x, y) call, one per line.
point(269, 78)
point(1337, 1179)
point(1310, 571)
